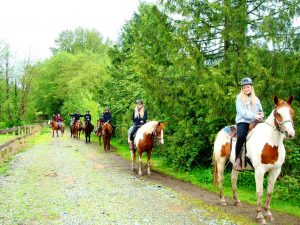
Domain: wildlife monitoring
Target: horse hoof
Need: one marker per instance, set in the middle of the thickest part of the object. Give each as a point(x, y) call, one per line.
point(237, 204)
point(140, 174)
point(269, 217)
point(262, 221)
point(223, 203)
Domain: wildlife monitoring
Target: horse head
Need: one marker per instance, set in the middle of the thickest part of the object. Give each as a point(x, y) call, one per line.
point(283, 116)
point(159, 133)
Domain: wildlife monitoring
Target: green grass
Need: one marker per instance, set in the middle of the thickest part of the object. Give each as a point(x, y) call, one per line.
point(203, 178)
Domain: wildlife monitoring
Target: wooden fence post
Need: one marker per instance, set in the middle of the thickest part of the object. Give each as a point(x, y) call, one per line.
point(7, 142)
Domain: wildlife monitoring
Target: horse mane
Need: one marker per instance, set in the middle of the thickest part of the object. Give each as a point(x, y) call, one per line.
point(149, 127)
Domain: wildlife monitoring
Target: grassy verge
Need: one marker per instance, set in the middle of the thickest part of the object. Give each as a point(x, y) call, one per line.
point(202, 178)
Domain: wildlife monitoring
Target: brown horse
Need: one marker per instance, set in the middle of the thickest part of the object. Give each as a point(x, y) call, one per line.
point(144, 141)
point(55, 127)
point(87, 129)
point(76, 129)
point(106, 135)
point(99, 130)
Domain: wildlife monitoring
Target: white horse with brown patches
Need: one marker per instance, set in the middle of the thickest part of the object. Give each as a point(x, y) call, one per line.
point(266, 151)
point(144, 142)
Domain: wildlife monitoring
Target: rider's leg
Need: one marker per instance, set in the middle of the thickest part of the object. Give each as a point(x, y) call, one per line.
point(242, 130)
point(134, 129)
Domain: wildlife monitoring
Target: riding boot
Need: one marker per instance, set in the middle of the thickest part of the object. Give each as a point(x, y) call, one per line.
point(238, 164)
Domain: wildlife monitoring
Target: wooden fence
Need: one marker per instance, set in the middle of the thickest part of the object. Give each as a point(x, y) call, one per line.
point(16, 138)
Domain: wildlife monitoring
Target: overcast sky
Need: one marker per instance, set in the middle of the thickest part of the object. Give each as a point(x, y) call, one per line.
point(33, 25)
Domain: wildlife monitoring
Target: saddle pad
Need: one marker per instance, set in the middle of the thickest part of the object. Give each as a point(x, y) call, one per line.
point(231, 131)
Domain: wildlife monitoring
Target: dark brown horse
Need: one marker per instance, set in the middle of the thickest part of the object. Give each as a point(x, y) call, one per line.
point(99, 130)
point(144, 141)
point(106, 135)
point(55, 127)
point(87, 129)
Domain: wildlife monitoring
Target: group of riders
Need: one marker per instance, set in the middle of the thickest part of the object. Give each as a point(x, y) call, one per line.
point(248, 110)
point(139, 117)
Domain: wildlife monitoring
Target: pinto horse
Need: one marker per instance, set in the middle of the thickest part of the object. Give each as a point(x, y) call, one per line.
point(87, 129)
point(106, 135)
point(144, 141)
point(55, 127)
point(265, 150)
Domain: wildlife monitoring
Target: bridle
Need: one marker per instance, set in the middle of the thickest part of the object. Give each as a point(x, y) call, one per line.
point(278, 124)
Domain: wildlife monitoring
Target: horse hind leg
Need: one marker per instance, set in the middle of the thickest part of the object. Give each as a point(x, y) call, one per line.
point(133, 158)
point(219, 167)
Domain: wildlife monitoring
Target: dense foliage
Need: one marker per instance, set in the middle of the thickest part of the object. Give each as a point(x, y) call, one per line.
point(184, 59)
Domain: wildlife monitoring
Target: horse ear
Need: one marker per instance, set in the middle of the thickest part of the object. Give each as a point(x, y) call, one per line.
point(291, 98)
point(158, 124)
point(275, 100)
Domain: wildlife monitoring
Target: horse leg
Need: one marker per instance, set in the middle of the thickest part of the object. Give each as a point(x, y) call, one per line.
point(108, 143)
point(259, 178)
point(140, 162)
point(219, 166)
point(273, 174)
point(234, 178)
point(52, 133)
point(148, 161)
point(132, 154)
point(56, 133)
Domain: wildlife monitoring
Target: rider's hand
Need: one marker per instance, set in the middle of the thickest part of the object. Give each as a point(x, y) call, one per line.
point(259, 117)
point(142, 121)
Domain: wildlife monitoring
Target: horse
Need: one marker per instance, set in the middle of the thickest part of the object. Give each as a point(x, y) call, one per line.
point(264, 148)
point(55, 127)
point(76, 129)
point(87, 129)
point(106, 135)
point(144, 141)
point(98, 131)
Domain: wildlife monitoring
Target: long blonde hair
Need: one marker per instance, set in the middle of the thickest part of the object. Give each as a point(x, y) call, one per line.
point(139, 113)
point(252, 98)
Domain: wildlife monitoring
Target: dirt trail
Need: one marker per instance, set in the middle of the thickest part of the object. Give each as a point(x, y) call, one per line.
point(65, 181)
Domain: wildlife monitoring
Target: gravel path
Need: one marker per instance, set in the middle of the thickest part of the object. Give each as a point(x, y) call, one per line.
point(65, 181)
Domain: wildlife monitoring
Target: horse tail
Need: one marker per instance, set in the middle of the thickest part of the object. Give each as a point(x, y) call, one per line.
point(215, 171)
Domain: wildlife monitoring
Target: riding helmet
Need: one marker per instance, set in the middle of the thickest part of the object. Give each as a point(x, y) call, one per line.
point(139, 101)
point(246, 81)
point(107, 109)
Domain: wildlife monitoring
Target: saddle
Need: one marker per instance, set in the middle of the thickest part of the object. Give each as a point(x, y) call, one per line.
point(131, 144)
point(231, 131)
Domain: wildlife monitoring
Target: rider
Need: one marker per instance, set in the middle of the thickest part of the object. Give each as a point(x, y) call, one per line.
point(248, 109)
point(106, 115)
point(76, 116)
point(59, 119)
point(139, 117)
point(88, 117)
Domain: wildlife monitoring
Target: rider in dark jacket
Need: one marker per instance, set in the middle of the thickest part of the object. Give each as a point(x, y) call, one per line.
point(88, 117)
point(106, 115)
point(76, 116)
point(139, 117)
